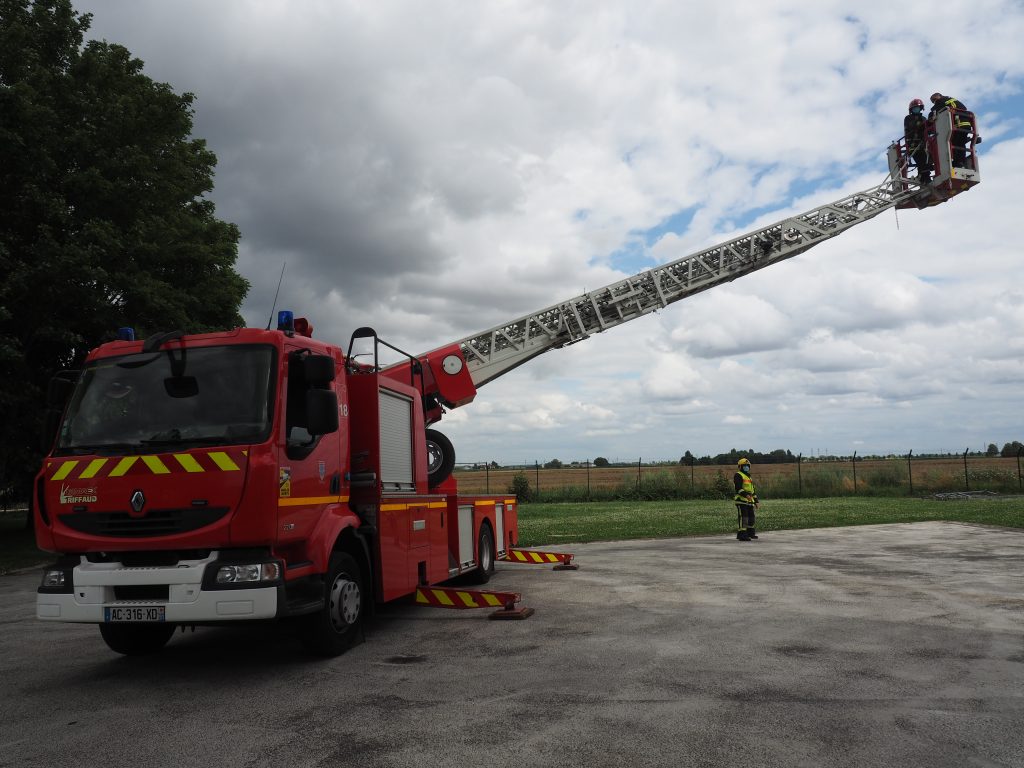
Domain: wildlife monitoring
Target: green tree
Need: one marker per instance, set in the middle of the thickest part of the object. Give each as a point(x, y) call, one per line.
point(600, 461)
point(553, 464)
point(104, 221)
point(993, 450)
point(520, 486)
point(1011, 449)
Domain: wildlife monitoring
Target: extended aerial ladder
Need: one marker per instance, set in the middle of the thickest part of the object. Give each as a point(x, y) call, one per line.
point(450, 375)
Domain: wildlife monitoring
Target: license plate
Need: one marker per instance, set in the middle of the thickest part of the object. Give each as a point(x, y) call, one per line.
point(133, 614)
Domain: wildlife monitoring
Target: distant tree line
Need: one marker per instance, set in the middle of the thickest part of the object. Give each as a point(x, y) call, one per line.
point(778, 456)
point(733, 456)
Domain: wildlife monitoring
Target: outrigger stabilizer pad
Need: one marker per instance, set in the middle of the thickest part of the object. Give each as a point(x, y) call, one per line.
point(510, 611)
point(563, 560)
point(450, 597)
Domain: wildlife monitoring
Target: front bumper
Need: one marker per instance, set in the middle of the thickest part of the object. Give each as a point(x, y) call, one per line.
point(93, 588)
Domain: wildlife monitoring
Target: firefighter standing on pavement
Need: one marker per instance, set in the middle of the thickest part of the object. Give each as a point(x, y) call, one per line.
point(746, 501)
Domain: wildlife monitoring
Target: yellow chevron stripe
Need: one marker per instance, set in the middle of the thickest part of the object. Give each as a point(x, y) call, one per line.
point(156, 466)
point(123, 466)
point(223, 461)
point(467, 598)
point(491, 600)
point(519, 556)
point(188, 462)
point(65, 469)
point(422, 598)
point(94, 466)
point(442, 597)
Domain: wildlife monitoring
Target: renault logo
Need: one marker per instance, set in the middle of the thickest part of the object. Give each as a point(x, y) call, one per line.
point(138, 502)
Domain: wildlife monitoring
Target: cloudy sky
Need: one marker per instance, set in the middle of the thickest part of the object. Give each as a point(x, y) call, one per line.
point(433, 169)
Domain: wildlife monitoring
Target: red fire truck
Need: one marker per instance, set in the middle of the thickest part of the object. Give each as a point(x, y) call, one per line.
point(264, 474)
point(253, 474)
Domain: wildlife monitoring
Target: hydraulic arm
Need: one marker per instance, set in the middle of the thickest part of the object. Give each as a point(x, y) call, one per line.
point(493, 352)
point(453, 373)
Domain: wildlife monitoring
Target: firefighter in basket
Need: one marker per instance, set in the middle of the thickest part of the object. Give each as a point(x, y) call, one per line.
point(915, 126)
point(746, 501)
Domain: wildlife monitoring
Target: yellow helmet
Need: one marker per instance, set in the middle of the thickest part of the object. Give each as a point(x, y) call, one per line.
point(742, 463)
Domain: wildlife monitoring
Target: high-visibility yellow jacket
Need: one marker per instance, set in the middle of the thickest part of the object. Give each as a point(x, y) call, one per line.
point(745, 493)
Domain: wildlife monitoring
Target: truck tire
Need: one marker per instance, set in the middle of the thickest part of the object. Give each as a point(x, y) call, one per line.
point(338, 625)
point(136, 639)
point(485, 556)
point(440, 457)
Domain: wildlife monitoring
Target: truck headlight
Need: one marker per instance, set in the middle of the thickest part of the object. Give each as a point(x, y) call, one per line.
point(249, 573)
point(53, 577)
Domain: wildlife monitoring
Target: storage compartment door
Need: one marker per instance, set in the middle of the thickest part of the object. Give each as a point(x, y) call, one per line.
point(396, 467)
point(465, 535)
point(499, 521)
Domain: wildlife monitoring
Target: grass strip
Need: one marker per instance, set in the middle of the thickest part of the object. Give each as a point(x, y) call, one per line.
point(552, 524)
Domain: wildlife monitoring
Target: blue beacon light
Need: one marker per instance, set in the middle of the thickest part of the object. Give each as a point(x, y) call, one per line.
point(286, 320)
point(126, 334)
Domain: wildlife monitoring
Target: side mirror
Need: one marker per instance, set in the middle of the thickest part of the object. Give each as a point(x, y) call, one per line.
point(318, 370)
point(321, 411)
point(51, 423)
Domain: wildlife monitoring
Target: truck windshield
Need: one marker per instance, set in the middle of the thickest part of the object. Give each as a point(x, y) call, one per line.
point(171, 399)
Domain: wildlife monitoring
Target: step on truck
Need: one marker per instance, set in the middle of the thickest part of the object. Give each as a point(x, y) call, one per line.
point(264, 474)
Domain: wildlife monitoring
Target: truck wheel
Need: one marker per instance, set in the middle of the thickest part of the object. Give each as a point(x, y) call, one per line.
point(338, 625)
point(136, 639)
point(485, 556)
point(440, 457)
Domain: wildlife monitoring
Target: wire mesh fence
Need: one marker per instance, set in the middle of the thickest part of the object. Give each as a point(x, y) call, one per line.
point(908, 475)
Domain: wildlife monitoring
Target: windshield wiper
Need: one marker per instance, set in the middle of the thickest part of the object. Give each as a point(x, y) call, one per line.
point(88, 447)
point(178, 440)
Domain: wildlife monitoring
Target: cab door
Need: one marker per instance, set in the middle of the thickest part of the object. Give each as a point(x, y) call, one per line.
point(309, 466)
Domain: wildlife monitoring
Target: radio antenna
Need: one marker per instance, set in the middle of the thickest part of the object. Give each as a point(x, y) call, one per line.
point(274, 305)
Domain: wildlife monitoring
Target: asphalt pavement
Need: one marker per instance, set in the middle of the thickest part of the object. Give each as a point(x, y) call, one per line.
point(890, 645)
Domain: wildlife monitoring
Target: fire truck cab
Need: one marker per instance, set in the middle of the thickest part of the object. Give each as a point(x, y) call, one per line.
point(246, 475)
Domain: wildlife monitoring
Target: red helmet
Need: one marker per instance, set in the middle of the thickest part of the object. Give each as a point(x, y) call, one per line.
point(916, 103)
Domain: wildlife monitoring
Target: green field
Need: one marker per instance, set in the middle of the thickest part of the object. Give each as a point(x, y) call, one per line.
point(551, 524)
point(554, 524)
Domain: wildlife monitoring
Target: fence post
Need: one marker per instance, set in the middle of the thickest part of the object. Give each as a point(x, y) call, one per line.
point(1020, 482)
point(799, 476)
point(536, 470)
point(588, 479)
point(967, 482)
point(693, 489)
point(487, 475)
point(640, 459)
point(854, 473)
point(910, 471)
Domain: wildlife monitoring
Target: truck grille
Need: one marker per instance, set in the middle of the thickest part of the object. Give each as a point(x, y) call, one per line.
point(158, 522)
point(136, 592)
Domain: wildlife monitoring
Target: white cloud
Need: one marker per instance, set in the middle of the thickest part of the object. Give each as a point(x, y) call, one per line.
point(434, 171)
